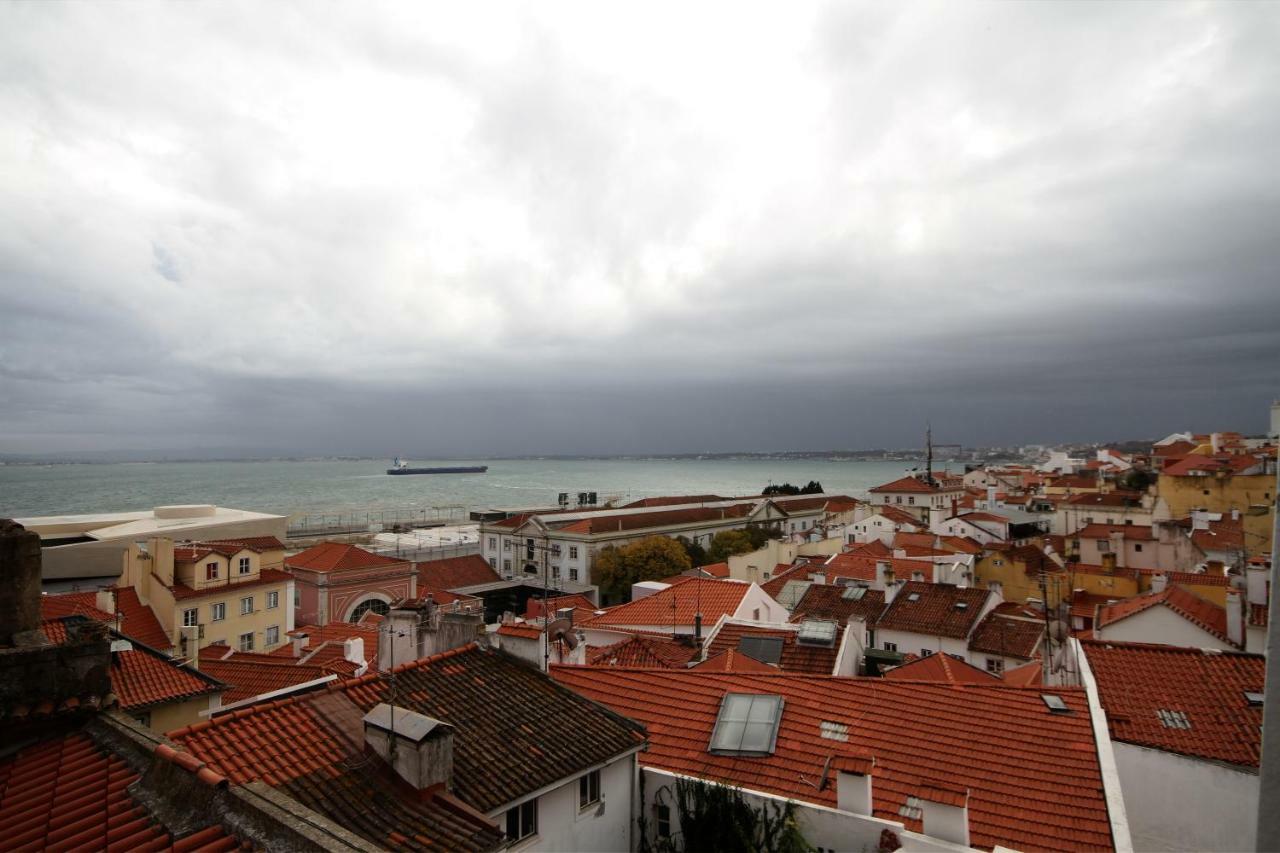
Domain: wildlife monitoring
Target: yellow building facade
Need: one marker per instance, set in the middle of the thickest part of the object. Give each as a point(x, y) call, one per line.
point(1252, 495)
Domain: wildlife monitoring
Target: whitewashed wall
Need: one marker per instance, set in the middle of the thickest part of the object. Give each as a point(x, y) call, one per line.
point(1159, 624)
point(603, 827)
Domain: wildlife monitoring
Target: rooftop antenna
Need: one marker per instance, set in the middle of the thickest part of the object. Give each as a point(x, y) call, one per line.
point(928, 443)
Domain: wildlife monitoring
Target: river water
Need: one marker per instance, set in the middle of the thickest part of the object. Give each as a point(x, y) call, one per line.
point(314, 486)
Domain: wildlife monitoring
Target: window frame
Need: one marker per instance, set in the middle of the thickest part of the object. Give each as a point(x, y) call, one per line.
point(191, 617)
point(244, 566)
point(273, 599)
point(212, 571)
point(246, 606)
point(218, 611)
point(246, 647)
point(589, 790)
point(268, 639)
point(526, 821)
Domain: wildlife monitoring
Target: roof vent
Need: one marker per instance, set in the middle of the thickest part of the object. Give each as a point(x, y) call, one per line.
point(962, 605)
point(419, 748)
point(915, 596)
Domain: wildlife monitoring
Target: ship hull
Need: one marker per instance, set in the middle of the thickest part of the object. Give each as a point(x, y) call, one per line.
point(460, 469)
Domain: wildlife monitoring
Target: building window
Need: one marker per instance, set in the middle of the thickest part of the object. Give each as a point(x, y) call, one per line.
point(573, 552)
point(506, 568)
point(506, 544)
point(273, 600)
point(555, 572)
point(924, 653)
point(890, 647)
point(493, 562)
point(379, 607)
point(244, 565)
point(522, 820)
point(246, 642)
point(555, 548)
point(589, 789)
point(995, 666)
point(297, 597)
point(246, 605)
point(218, 611)
point(911, 501)
point(493, 543)
point(211, 571)
point(573, 574)
point(273, 635)
point(662, 820)
point(190, 617)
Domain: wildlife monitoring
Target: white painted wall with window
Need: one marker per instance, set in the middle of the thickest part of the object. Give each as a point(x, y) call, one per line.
point(564, 820)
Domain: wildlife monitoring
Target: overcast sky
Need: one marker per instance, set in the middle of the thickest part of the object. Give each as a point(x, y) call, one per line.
point(360, 228)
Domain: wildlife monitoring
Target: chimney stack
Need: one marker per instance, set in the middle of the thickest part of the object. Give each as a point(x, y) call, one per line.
point(20, 588)
point(299, 640)
point(1159, 582)
point(1235, 617)
point(419, 748)
point(853, 783)
point(945, 810)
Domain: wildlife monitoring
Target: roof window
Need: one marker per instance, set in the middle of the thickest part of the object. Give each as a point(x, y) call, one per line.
point(1055, 703)
point(854, 593)
point(763, 649)
point(747, 724)
point(1173, 719)
point(814, 632)
point(915, 596)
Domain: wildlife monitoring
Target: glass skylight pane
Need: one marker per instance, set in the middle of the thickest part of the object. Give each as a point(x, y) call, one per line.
point(748, 724)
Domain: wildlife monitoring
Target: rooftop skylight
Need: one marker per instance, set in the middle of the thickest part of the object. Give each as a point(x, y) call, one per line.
point(763, 649)
point(1055, 703)
point(814, 632)
point(747, 724)
point(854, 593)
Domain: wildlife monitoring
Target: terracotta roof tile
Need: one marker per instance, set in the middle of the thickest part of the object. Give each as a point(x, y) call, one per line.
point(516, 732)
point(941, 667)
point(1203, 614)
point(623, 522)
point(533, 609)
point(732, 660)
point(644, 652)
point(137, 620)
point(266, 577)
point(142, 679)
point(1010, 630)
point(1188, 701)
point(674, 501)
point(824, 601)
point(1132, 532)
point(1033, 776)
point(456, 572)
point(915, 484)
point(250, 674)
point(337, 557)
point(795, 656)
point(676, 605)
point(940, 610)
point(1028, 675)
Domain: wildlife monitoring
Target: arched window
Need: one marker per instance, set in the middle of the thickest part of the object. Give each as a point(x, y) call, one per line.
point(379, 607)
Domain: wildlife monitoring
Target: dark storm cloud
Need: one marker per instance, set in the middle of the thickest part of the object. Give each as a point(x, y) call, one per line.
point(633, 229)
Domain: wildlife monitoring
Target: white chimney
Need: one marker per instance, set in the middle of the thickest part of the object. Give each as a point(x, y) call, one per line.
point(299, 644)
point(419, 748)
point(1199, 519)
point(884, 573)
point(1159, 582)
point(1235, 617)
point(353, 649)
point(991, 497)
point(1256, 579)
point(1215, 441)
point(853, 783)
point(945, 812)
point(891, 590)
point(818, 578)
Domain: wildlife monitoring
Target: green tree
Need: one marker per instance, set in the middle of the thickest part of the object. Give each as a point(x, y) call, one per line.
point(615, 569)
point(727, 543)
point(697, 554)
point(714, 818)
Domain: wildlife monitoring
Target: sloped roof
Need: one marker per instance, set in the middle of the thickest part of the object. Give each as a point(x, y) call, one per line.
point(676, 605)
point(1188, 701)
point(1033, 776)
point(331, 633)
point(824, 601)
point(643, 652)
point(188, 552)
point(622, 522)
point(338, 557)
point(142, 679)
point(1112, 499)
point(941, 667)
point(137, 619)
point(1135, 532)
point(533, 609)
point(517, 731)
point(674, 500)
point(907, 484)
point(732, 660)
point(68, 793)
point(874, 548)
point(250, 674)
point(1030, 674)
point(898, 515)
point(456, 572)
point(1203, 614)
point(1009, 630)
point(796, 657)
point(935, 610)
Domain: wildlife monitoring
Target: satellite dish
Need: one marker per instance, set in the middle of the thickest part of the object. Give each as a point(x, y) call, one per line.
point(562, 629)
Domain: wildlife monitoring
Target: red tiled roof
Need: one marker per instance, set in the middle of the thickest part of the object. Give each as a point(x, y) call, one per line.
point(67, 793)
point(1138, 532)
point(1203, 614)
point(1187, 578)
point(520, 629)
point(782, 573)
point(874, 548)
point(337, 557)
point(644, 652)
point(934, 611)
point(913, 484)
point(1113, 499)
point(1188, 701)
point(1033, 776)
point(618, 523)
point(1010, 630)
point(962, 544)
point(828, 602)
point(798, 658)
point(941, 667)
point(142, 679)
point(715, 570)
point(517, 732)
point(533, 609)
point(456, 572)
point(334, 632)
point(898, 515)
point(266, 577)
point(189, 552)
point(1197, 464)
point(250, 674)
point(137, 621)
point(1028, 675)
point(713, 598)
point(732, 660)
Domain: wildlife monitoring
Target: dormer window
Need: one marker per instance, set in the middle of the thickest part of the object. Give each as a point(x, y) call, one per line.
point(211, 571)
point(244, 565)
point(815, 632)
point(747, 725)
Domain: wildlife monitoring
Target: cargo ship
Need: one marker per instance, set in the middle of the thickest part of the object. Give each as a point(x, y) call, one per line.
point(402, 467)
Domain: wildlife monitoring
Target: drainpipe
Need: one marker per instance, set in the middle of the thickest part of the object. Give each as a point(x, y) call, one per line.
point(1269, 783)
